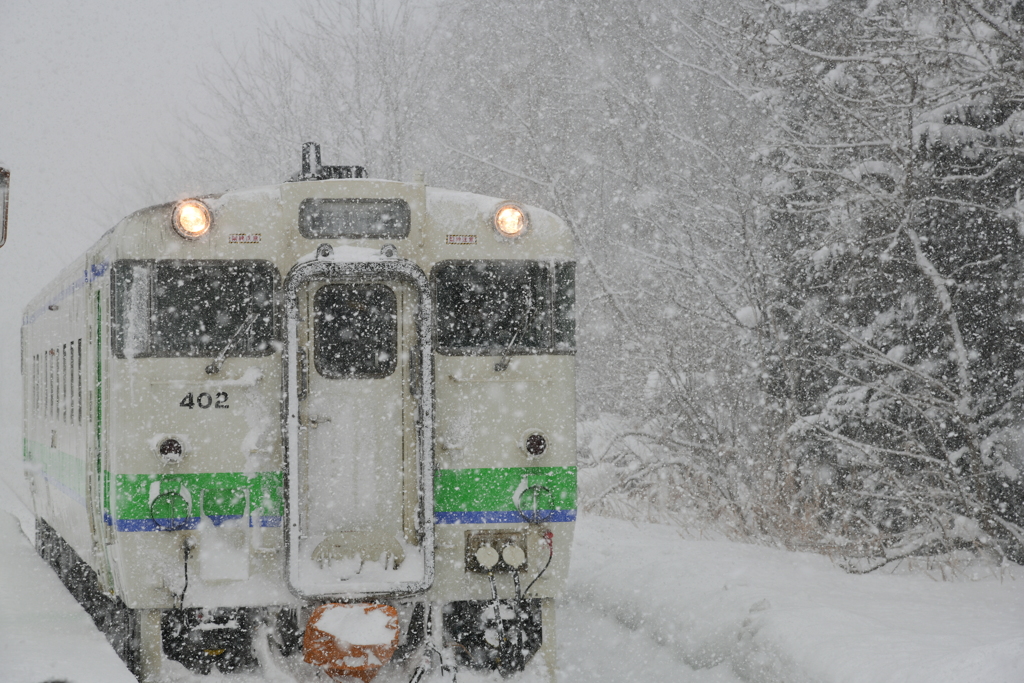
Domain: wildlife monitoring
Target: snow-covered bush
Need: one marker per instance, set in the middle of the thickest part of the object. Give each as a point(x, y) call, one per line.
point(894, 316)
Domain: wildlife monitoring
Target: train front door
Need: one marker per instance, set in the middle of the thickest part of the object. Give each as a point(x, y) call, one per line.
point(355, 479)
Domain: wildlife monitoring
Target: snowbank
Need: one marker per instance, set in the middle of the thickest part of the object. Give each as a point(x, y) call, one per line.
point(44, 634)
point(772, 615)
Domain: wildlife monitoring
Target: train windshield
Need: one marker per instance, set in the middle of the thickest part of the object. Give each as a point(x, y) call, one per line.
point(165, 309)
point(505, 307)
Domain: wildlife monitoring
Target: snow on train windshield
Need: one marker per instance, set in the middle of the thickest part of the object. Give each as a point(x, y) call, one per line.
point(499, 307)
point(166, 309)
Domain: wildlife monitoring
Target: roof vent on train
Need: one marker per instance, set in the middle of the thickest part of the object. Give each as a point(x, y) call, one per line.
point(312, 169)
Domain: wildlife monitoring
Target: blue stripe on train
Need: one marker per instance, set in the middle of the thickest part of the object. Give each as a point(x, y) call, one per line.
point(181, 523)
point(485, 517)
point(503, 517)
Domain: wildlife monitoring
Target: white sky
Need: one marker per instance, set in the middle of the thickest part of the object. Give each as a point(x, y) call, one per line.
point(89, 92)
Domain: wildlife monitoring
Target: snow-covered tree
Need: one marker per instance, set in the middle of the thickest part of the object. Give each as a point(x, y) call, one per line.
point(894, 234)
point(622, 117)
point(354, 77)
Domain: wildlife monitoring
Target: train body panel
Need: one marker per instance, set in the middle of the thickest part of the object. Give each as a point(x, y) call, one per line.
point(59, 372)
point(290, 410)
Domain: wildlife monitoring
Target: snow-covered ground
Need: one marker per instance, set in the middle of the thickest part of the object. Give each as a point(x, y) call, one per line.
point(645, 604)
point(770, 615)
point(44, 634)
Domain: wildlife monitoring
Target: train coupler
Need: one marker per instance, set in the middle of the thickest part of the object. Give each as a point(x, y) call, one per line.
point(351, 639)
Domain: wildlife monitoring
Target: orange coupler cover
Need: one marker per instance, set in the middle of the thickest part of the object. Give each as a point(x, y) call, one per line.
point(351, 639)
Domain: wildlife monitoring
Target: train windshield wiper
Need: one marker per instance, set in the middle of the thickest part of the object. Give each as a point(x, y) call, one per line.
point(214, 367)
point(523, 320)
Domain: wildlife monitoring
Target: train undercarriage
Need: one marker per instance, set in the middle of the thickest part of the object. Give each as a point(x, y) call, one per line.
point(501, 635)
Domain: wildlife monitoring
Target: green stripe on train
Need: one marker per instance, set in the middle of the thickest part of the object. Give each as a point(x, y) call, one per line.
point(492, 489)
point(223, 493)
point(218, 493)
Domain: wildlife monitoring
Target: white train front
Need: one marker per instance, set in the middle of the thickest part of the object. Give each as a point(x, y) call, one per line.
point(335, 403)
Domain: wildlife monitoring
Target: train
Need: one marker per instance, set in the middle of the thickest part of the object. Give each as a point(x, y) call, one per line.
point(336, 414)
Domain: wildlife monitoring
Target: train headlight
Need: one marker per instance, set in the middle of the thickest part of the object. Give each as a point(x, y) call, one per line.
point(192, 219)
point(510, 220)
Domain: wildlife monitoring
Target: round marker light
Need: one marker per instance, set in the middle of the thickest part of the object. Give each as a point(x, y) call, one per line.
point(536, 444)
point(192, 219)
point(170, 451)
point(510, 220)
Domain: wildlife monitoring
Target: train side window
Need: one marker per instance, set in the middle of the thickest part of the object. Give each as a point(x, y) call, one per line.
point(71, 383)
point(50, 380)
point(79, 380)
point(64, 383)
point(355, 331)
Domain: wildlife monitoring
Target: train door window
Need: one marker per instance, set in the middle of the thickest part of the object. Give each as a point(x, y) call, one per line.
point(355, 331)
